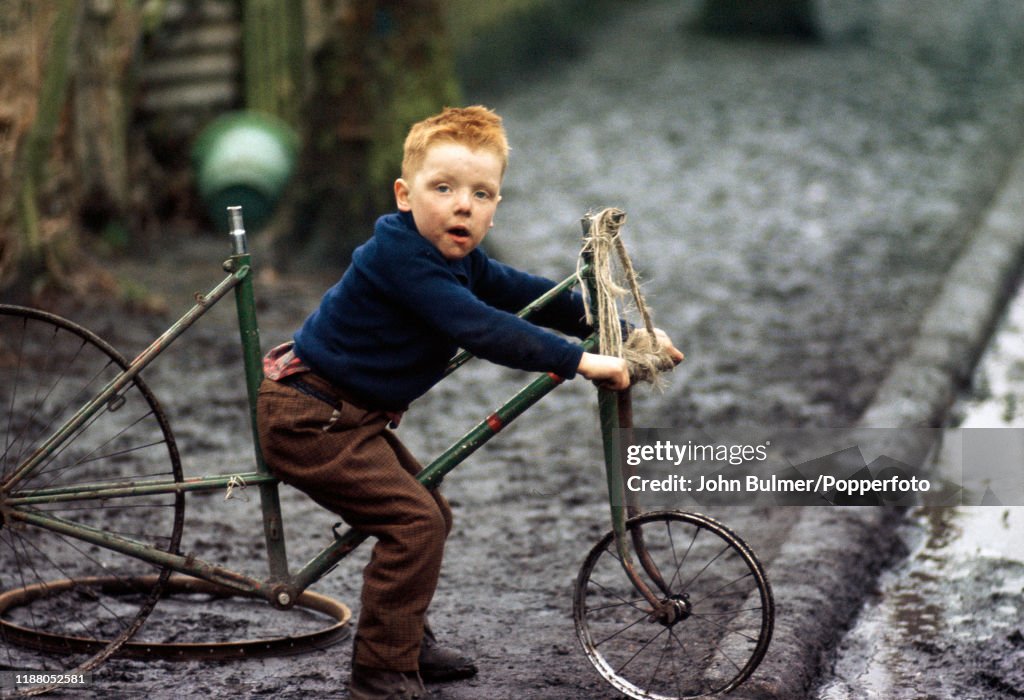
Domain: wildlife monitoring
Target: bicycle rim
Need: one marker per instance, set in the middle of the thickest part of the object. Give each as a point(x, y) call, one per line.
point(49, 368)
point(716, 579)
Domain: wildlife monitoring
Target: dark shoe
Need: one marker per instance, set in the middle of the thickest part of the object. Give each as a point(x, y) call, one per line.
point(379, 684)
point(438, 663)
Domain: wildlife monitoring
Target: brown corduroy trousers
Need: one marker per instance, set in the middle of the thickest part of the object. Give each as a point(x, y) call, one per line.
point(347, 460)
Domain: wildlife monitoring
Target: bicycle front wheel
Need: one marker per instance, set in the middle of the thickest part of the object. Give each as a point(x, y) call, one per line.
point(723, 600)
point(57, 609)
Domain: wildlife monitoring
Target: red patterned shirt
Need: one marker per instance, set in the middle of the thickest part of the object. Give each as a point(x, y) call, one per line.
point(282, 362)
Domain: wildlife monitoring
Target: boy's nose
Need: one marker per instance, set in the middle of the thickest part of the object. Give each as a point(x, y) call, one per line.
point(463, 202)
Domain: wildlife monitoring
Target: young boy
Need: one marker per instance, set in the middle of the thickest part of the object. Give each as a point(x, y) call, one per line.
point(415, 292)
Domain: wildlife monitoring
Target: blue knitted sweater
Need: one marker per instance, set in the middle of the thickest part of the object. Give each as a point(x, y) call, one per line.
point(386, 331)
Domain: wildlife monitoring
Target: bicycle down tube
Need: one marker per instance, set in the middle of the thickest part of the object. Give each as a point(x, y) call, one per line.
point(280, 588)
point(72, 474)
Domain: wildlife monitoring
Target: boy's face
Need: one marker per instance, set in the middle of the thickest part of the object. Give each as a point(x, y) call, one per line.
point(453, 197)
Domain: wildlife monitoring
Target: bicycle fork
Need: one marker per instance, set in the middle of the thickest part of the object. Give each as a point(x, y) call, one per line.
point(616, 409)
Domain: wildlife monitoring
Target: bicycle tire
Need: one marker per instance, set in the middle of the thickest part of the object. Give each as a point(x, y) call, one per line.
point(49, 367)
point(719, 641)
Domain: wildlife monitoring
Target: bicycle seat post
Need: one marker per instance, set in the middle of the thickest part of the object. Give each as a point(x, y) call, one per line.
point(252, 359)
point(238, 242)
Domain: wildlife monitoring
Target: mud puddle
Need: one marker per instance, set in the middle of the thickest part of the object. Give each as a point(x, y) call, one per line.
point(949, 623)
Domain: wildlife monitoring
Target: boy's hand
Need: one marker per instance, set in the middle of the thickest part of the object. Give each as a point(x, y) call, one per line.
point(664, 344)
point(612, 373)
point(604, 370)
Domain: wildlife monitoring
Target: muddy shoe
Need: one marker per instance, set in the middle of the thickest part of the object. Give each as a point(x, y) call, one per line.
point(438, 663)
point(378, 684)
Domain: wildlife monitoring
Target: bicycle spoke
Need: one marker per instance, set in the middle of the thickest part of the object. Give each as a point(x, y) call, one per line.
point(92, 456)
point(13, 402)
point(686, 654)
point(730, 612)
point(725, 628)
point(728, 658)
point(43, 581)
point(81, 397)
point(661, 659)
point(704, 568)
point(79, 432)
point(72, 586)
point(675, 555)
point(679, 566)
point(19, 567)
point(624, 629)
point(624, 601)
point(642, 649)
point(631, 603)
point(714, 593)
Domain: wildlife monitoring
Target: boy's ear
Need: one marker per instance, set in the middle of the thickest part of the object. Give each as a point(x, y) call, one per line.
point(402, 195)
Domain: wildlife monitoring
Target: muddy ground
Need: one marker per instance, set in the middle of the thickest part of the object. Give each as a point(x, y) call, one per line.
point(793, 209)
point(961, 591)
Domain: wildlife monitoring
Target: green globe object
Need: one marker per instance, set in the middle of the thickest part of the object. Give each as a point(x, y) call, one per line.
point(244, 159)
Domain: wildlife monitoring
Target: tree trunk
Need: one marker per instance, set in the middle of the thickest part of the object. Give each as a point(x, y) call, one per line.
point(33, 144)
point(18, 91)
point(385, 65)
point(69, 157)
point(773, 18)
point(274, 56)
point(100, 133)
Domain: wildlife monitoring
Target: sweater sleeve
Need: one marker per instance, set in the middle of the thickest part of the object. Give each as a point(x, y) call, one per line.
point(431, 290)
point(510, 289)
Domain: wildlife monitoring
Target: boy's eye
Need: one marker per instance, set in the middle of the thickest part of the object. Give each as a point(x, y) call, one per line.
point(444, 189)
point(482, 194)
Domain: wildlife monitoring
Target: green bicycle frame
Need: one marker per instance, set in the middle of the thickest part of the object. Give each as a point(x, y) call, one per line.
point(616, 416)
point(282, 588)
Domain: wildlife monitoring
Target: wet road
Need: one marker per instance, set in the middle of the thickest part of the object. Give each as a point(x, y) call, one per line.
point(792, 207)
point(793, 210)
point(949, 621)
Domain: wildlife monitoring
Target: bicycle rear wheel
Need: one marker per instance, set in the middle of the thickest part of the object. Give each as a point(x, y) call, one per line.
point(49, 368)
point(725, 620)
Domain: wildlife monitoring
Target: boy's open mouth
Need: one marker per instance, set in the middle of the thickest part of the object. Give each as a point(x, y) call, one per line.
point(459, 232)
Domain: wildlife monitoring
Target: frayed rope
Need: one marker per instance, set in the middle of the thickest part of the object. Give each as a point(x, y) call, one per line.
point(604, 246)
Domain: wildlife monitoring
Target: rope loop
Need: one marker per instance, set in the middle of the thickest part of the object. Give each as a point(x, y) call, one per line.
point(236, 482)
point(617, 287)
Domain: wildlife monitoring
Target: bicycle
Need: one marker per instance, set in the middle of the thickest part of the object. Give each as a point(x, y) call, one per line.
point(92, 499)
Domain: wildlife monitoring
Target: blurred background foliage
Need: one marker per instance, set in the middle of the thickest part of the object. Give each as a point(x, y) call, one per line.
point(101, 102)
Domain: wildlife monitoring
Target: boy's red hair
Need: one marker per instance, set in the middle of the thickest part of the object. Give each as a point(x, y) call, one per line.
point(474, 127)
